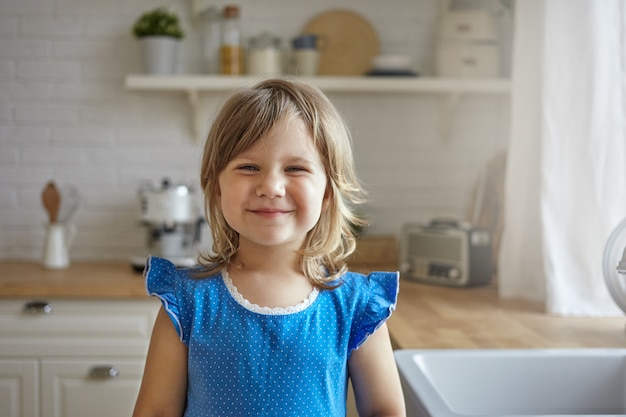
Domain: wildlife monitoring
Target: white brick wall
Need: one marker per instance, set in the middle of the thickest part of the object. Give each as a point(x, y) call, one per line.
point(65, 115)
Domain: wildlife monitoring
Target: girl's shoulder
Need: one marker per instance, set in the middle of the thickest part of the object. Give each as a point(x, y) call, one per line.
point(368, 290)
point(356, 281)
point(160, 272)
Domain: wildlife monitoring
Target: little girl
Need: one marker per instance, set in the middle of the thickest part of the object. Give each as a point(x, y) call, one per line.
point(272, 323)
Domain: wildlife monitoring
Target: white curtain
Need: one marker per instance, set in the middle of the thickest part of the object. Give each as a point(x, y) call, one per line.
point(566, 177)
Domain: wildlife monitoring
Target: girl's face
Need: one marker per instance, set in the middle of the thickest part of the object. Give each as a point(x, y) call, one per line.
point(273, 193)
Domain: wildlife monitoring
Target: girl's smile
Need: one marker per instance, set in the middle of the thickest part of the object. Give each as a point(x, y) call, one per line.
point(270, 212)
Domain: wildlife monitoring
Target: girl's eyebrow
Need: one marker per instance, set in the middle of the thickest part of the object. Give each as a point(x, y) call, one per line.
point(242, 155)
point(300, 159)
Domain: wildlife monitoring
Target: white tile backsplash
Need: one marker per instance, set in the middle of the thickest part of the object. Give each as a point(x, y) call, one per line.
point(65, 115)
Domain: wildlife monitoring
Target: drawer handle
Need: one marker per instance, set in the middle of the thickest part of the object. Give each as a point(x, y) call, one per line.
point(38, 307)
point(103, 372)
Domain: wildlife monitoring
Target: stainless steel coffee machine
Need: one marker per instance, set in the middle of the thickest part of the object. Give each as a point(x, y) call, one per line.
point(171, 216)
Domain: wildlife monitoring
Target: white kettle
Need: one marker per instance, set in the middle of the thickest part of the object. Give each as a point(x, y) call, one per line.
point(59, 239)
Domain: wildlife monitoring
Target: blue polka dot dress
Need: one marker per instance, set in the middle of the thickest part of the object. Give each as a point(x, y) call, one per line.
point(246, 360)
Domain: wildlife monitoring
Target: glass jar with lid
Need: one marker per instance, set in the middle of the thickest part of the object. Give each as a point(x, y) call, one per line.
point(265, 55)
point(211, 28)
point(231, 53)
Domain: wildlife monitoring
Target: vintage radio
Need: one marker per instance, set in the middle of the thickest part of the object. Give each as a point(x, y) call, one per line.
point(446, 252)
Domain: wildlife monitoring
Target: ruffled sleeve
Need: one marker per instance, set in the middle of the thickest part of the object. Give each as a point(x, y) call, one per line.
point(162, 281)
point(382, 296)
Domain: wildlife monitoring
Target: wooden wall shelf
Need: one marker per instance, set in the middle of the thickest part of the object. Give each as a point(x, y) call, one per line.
point(193, 85)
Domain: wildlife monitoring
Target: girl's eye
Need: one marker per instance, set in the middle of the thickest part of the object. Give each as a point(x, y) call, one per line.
point(295, 169)
point(247, 168)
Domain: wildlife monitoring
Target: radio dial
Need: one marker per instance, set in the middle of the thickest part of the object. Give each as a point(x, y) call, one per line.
point(454, 274)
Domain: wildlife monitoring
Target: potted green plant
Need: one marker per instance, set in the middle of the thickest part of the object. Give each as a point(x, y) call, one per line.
point(160, 33)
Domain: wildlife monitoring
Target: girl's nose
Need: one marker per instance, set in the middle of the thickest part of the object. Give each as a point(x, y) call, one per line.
point(271, 185)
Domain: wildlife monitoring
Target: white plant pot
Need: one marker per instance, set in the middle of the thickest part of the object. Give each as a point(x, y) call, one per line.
point(160, 54)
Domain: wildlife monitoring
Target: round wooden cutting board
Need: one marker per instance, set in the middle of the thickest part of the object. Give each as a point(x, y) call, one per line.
point(347, 44)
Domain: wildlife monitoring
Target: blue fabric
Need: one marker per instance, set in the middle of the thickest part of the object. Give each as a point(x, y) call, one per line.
point(243, 363)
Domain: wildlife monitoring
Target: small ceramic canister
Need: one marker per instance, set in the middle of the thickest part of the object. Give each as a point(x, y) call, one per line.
point(305, 55)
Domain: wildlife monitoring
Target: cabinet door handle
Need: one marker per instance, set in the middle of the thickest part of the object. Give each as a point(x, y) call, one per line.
point(103, 372)
point(38, 307)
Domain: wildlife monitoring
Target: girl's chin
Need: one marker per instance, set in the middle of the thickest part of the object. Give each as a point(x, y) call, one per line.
point(271, 242)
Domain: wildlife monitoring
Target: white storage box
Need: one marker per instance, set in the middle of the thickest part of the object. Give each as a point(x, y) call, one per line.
point(468, 25)
point(467, 60)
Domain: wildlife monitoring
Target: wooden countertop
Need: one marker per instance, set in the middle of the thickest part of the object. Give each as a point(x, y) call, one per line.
point(427, 317)
point(434, 317)
point(80, 280)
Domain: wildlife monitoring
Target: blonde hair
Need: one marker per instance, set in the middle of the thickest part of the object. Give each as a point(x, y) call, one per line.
point(246, 117)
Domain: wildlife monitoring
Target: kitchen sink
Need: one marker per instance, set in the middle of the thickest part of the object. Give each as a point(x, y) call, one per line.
point(513, 382)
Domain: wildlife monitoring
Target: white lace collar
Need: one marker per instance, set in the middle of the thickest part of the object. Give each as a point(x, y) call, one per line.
point(271, 311)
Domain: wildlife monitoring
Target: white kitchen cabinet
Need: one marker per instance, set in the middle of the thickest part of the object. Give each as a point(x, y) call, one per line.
point(18, 388)
point(94, 387)
point(66, 358)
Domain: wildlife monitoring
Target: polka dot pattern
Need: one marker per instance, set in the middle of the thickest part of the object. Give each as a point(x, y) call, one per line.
point(246, 363)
